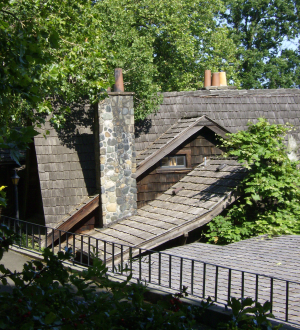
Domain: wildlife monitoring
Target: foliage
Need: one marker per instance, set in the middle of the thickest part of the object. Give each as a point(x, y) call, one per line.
point(165, 45)
point(262, 31)
point(247, 316)
point(49, 296)
point(270, 192)
point(2, 196)
point(51, 55)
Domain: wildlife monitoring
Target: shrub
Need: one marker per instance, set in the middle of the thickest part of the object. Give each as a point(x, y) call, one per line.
point(270, 202)
point(49, 296)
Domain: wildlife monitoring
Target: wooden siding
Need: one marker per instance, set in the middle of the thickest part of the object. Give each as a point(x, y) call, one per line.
point(157, 180)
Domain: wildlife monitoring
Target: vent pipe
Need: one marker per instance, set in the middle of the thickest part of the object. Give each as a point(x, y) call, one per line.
point(215, 79)
point(223, 81)
point(119, 84)
point(207, 78)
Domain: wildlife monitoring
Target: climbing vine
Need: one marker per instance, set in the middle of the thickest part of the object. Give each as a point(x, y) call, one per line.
point(270, 195)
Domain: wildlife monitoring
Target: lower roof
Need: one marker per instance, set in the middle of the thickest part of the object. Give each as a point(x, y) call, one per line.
point(190, 203)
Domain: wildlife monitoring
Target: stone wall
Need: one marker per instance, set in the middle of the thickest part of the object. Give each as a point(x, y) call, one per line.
point(117, 157)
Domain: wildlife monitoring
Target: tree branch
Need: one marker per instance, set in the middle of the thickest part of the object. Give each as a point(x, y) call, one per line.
point(9, 13)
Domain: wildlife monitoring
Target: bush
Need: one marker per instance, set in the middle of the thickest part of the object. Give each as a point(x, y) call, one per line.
point(49, 296)
point(270, 195)
point(250, 315)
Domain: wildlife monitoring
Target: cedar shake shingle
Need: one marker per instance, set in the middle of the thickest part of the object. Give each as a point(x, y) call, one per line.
point(231, 109)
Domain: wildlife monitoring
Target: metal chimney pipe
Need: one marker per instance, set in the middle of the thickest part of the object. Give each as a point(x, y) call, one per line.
point(215, 79)
point(119, 84)
point(207, 78)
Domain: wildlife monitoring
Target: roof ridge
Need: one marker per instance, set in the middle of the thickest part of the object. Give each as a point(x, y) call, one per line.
point(235, 92)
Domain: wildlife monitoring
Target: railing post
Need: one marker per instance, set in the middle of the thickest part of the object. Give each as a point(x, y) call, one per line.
point(170, 270)
point(159, 268)
point(243, 285)
point(140, 265)
point(130, 258)
point(149, 265)
point(32, 236)
point(52, 241)
point(204, 276)
point(181, 269)
point(192, 278)
point(121, 258)
point(256, 287)
point(104, 253)
point(287, 301)
point(216, 283)
point(46, 238)
point(271, 295)
point(113, 257)
point(74, 252)
point(229, 285)
point(59, 240)
point(81, 248)
point(26, 234)
point(89, 248)
point(67, 240)
point(39, 232)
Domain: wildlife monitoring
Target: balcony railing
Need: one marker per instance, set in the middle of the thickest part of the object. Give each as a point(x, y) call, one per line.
point(202, 279)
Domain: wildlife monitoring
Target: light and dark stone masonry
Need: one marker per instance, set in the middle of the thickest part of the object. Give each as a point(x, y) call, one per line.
point(117, 157)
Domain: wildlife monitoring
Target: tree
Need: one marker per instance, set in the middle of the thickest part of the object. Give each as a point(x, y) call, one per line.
point(261, 29)
point(51, 55)
point(270, 194)
point(165, 45)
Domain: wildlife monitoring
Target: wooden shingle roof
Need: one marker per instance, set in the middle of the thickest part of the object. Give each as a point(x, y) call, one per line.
point(231, 109)
point(178, 133)
point(66, 165)
point(190, 203)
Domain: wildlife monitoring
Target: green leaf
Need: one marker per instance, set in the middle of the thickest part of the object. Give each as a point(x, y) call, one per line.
point(50, 318)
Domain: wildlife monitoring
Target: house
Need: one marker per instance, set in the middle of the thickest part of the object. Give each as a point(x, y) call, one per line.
point(189, 123)
point(156, 183)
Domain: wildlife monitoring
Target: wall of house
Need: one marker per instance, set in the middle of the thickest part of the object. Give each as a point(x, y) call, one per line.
point(66, 164)
point(157, 180)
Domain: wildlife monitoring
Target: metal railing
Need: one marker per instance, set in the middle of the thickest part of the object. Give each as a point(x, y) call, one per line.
point(202, 279)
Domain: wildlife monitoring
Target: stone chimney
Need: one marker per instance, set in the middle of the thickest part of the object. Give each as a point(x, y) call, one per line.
point(116, 157)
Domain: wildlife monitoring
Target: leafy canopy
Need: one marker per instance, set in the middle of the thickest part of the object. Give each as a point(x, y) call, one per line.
point(165, 45)
point(51, 55)
point(262, 31)
point(270, 193)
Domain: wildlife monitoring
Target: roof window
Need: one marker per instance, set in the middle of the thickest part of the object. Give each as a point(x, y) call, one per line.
point(178, 161)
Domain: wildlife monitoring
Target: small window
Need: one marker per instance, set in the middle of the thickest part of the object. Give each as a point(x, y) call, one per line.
point(174, 161)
